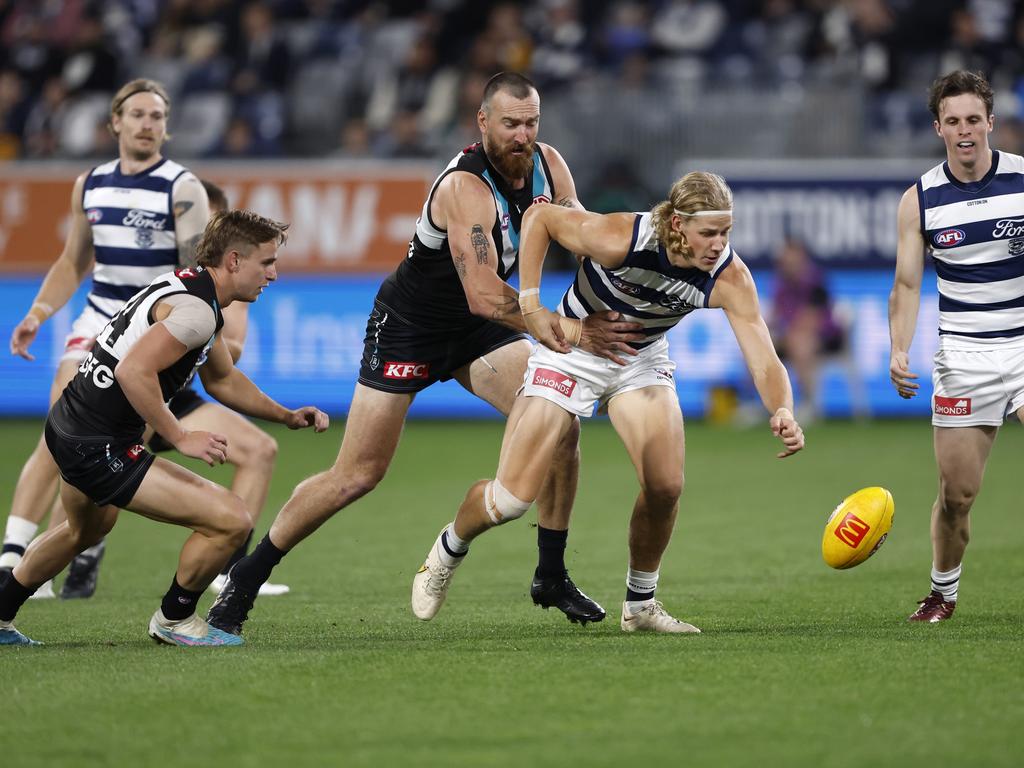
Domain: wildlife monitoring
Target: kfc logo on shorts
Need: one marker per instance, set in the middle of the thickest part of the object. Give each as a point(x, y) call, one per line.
point(947, 238)
point(406, 370)
point(541, 199)
point(952, 406)
point(94, 215)
point(134, 452)
point(562, 384)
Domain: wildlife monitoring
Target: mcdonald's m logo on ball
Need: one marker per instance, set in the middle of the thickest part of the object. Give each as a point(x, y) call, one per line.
point(852, 530)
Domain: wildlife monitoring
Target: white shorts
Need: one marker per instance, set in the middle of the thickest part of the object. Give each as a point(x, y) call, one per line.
point(977, 387)
point(578, 380)
point(84, 330)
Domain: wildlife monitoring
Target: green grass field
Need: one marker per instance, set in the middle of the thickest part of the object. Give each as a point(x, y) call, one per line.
point(798, 664)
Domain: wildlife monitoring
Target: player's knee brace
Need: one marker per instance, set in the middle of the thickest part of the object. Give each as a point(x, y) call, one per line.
point(502, 506)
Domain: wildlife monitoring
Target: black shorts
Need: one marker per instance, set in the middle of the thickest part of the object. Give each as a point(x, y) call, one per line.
point(401, 357)
point(107, 470)
point(181, 405)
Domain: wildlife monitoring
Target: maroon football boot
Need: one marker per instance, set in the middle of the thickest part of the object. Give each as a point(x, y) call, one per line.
point(933, 608)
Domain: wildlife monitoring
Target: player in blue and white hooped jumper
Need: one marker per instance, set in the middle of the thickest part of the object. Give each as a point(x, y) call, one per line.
point(968, 212)
point(653, 268)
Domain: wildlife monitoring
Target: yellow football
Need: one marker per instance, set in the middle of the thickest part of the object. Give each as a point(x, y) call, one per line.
point(857, 527)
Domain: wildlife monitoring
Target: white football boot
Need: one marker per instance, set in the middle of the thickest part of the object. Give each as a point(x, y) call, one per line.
point(652, 617)
point(267, 589)
point(430, 585)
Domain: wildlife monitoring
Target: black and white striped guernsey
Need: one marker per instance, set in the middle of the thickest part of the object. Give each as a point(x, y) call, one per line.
point(132, 220)
point(646, 288)
point(975, 232)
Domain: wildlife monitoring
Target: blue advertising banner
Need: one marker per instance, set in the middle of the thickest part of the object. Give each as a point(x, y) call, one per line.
point(305, 344)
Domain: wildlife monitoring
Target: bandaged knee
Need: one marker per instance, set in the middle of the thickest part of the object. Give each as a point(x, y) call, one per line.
point(502, 506)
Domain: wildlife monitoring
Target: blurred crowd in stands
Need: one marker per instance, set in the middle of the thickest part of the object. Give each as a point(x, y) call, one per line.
point(402, 79)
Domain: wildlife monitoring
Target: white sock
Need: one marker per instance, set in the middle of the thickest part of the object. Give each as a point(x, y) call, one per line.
point(947, 582)
point(451, 549)
point(642, 585)
point(17, 536)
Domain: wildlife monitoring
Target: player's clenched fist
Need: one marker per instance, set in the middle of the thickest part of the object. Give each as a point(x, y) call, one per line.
point(308, 416)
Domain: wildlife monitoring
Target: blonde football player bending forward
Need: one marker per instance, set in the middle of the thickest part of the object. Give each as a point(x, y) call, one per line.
point(654, 268)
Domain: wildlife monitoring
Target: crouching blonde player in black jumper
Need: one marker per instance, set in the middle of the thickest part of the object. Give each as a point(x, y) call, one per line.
point(148, 352)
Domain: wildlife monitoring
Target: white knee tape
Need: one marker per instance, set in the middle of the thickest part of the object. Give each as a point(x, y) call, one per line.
point(501, 505)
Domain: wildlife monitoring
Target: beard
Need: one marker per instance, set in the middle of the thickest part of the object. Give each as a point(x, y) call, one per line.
point(513, 167)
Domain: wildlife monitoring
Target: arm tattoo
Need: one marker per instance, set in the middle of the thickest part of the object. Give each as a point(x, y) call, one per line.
point(504, 307)
point(479, 241)
point(182, 207)
point(460, 265)
point(187, 251)
point(567, 202)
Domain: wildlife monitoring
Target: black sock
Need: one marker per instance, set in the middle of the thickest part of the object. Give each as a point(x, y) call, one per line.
point(179, 603)
point(637, 597)
point(253, 570)
point(12, 596)
point(551, 548)
point(238, 554)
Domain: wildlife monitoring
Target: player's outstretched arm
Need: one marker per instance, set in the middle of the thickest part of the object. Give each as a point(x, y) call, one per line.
point(191, 214)
point(63, 278)
point(602, 238)
point(237, 391)
point(905, 298)
point(736, 294)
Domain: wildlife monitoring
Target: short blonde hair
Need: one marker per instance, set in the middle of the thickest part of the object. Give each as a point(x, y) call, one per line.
point(696, 191)
point(242, 230)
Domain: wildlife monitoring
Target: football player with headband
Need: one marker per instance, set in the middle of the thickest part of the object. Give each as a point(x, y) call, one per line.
point(653, 268)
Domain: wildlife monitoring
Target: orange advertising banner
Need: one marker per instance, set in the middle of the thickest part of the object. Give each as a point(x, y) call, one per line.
point(344, 216)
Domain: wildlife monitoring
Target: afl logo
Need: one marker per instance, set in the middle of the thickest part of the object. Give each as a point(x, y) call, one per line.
point(947, 238)
point(94, 215)
point(541, 199)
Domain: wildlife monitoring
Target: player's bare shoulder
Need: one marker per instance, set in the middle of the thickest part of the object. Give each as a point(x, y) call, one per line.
point(909, 212)
point(734, 285)
point(461, 192)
